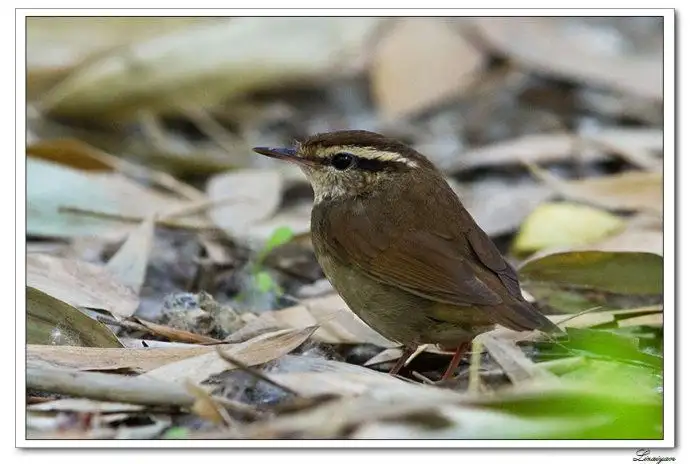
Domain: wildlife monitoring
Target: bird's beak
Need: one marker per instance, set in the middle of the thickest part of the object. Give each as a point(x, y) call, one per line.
point(286, 154)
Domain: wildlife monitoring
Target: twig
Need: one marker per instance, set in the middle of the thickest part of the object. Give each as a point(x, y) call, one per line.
point(254, 372)
point(475, 362)
point(123, 218)
point(108, 387)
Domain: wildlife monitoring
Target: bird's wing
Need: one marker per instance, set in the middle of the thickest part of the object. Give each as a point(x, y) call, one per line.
point(423, 261)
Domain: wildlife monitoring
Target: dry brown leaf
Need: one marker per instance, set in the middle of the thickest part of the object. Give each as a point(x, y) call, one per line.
point(107, 359)
point(538, 43)
point(80, 284)
point(204, 406)
point(633, 190)
point(421, 62)
point(258, 350)
point(256, 193)
point(73, 153)
point(542, 148)
point(129, 264)
point(174, 334)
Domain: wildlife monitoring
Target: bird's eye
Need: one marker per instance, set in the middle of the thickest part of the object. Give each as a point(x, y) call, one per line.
point(343, 161)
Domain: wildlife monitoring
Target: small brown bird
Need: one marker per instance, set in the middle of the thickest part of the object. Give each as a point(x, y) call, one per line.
point(398, 246)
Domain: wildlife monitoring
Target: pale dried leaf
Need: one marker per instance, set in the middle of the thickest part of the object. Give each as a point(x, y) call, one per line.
point(543, 148)
point(538, 43)
point(105, 359)
point(129, 264)
point(421, 62)
point(633, 190)
point(256, 193)
point(258, 350)
point(337, 324)
point(80, 284)
point(65, 202)
point(204, 64)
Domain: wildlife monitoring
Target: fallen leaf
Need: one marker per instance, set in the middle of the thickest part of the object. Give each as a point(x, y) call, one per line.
point(204, 406)
point(129, 264)
point(537, 43)
point(65, 202)
point(50, 321)
point(109, 359)
point(649, 315)
point(73, 153)
point(545, 148)
point(628, 191)
point(421, 62)
point(336, 323)
point(174, 334)
point(564, 225)
point(623, 272)
point(80, 284)
point(256, 193)
point(258, 350)
point(203, 64)
point(56, 45)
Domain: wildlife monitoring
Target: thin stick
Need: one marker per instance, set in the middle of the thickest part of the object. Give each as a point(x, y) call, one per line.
point(119, 217)
point(108, 387)
point(254, 372)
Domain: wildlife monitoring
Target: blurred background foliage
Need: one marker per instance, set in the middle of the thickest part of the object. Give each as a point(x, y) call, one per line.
point(145, 203)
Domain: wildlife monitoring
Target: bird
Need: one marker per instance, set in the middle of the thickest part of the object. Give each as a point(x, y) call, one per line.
point(397, 244)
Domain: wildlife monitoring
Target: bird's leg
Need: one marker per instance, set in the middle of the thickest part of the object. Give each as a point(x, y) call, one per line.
point(455, 361)
point(406, 353)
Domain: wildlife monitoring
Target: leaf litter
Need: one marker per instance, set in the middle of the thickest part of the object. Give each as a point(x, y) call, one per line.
point(175, 291)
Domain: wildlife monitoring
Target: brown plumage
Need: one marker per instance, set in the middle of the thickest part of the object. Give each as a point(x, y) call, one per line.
point(397, 244)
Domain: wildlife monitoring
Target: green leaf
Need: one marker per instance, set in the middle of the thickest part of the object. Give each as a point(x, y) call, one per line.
point(280, 236)
point(264, 282)
point(50, 321)
point(176, 433)
point(629, 273)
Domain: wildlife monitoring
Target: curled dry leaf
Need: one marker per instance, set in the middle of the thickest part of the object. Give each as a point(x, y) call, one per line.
point(544, 148)
point(538, 44)
point(421, 62)
point(554, 225)
point(80, 284)
point(649, 315)
point(258, 350)
point(203, 64)
point(253, 195)
point(50, 321)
